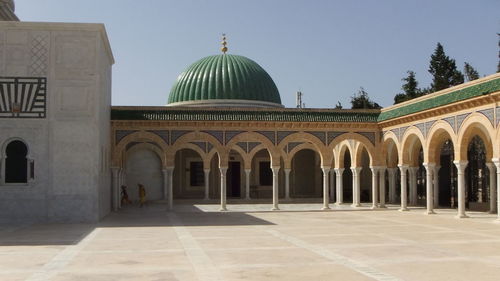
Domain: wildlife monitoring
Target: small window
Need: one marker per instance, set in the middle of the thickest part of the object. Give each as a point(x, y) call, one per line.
point(265, 173)
point(16, 163)
point(197, 176)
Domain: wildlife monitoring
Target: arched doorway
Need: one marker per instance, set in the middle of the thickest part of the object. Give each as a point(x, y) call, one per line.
point(261, 181)
point(189, 175)
point(306, 175)
point(16, 162)
point(235, 175)
point(347, 178)
point(143, 166)
point(476, 177)
point(447, 176)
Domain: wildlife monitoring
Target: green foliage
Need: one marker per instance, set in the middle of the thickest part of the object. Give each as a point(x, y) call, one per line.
point(498, 66)
point(360, 100)
point(338, 105)
point(410, 89)
point(470, 73)
point(444, 70)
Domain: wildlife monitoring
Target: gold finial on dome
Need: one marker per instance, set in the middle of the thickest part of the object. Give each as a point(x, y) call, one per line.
point(224, 43)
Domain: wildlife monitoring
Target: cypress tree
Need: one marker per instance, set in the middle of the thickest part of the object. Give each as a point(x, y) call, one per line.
point(410, 89)
point(444, 70)
point(470, 73)
point(360, 100)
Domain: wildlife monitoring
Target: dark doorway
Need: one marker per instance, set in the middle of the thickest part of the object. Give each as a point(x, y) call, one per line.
point(447, 177)
point(16, 163)
point(347, 178)
point(476, 177)
point(234, 179)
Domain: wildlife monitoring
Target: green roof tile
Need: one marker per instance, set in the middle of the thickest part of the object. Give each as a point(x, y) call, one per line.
point(224, 77)
point(444, 99)
point(271, 115)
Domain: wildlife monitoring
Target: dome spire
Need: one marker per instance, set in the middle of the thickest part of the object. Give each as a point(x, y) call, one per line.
point(224, 43)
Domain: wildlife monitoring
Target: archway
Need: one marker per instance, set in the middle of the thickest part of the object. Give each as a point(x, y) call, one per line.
point(475, 149)
point(261, 180)
point(189, 175)
point(412, 154)
point(306, 175)
point(347, 178)
point(235, 175)
point(143, 166)
point(447, 176)
point(390, 153)
point(476, 176)
point(366, 177)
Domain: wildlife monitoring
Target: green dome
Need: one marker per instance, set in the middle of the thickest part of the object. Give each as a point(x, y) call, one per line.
point(225, 80)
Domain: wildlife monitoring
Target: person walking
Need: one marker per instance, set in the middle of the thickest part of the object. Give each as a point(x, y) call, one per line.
point(142, 195)
point(125, 199)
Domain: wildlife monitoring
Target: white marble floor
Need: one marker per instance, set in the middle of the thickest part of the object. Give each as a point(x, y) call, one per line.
point(195, 242)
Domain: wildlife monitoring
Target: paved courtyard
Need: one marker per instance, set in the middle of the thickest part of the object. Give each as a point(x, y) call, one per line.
point(251, 243)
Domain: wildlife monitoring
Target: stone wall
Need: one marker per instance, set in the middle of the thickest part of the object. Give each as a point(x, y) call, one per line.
point(70, 144)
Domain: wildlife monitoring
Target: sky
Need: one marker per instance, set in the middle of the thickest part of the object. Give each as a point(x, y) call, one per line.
point(326, 49)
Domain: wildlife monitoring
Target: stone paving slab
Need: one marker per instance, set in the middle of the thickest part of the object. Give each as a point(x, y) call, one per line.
point(196, 242)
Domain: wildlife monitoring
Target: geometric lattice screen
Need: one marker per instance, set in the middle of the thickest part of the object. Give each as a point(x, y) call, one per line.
point(23, 97)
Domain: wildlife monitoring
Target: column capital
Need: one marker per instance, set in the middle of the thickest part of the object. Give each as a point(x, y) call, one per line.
point(248, 171)
point(356, 170)
point(461, 165)
point(326, 169)
point(429, 166)
point(339, 170)
point(223, 171)
point(275, 169)
point(206, 170)
point(490, 165)
point(413, 168)
point(169, 169)
point(392, 170)
point(376, 168)
point(496, 161)
point(115, 169)
point(287, 170)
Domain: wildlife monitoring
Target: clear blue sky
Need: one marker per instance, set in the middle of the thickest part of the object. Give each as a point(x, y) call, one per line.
point(326, 49)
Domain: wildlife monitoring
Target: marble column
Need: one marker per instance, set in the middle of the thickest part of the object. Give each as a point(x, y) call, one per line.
point(339, 194)
point(374, 187)
point(115, 200)
point(429, 184)
point(326, 187)
point(391, 172)
point(413, 185)
point(404, 196)
point(247, 183)
point(382, 187)
point(332, 185)
point(356, 192)
point(120, 183)
point(287, 183)
point(493, 192)
point(170, 188)
point(207, 183)
point(496, 161)
point(436, 186)
point(275, 188)
point(223, 171)
point(165, 184)
point(461, 187)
